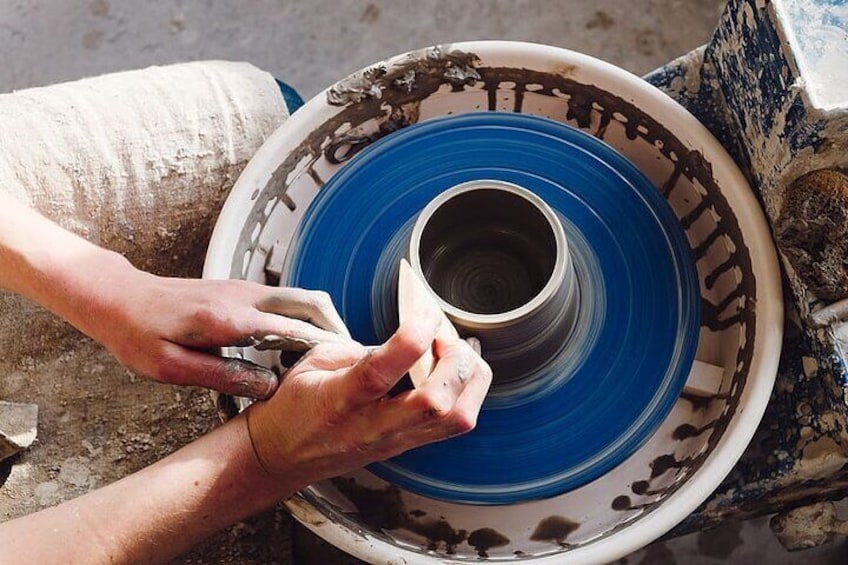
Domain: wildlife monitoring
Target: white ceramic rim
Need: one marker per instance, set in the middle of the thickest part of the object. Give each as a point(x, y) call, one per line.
point(511, 316)
point(752, 224)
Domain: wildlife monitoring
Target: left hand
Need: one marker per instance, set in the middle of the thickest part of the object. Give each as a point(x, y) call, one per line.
point(163, 328)
point(160, 327)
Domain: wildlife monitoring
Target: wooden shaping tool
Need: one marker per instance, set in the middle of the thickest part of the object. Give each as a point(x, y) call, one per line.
point(414, 299)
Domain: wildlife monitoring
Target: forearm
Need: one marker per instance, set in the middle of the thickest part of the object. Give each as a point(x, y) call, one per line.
point(157, 513)
point(53, 267)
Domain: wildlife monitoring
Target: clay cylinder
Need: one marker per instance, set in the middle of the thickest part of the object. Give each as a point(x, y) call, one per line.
point(496, 257)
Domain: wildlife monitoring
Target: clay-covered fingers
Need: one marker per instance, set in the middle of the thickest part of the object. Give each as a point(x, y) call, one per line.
point(311, 306)
point(443, 404)
point(382, 367)
point(447, 405)
point(182, 366)
point(470, 401)
point(272, 331)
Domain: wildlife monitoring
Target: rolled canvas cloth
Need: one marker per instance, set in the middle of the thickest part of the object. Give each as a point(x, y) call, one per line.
point(139, 162)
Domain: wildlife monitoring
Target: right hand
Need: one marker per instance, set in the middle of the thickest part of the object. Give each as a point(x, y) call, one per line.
point(332, 413)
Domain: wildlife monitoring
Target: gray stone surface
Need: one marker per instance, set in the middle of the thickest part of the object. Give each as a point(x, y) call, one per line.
point(314, 43)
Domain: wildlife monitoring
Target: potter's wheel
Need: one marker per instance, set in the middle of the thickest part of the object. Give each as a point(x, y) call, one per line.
point(292, 218)
point(615, 374)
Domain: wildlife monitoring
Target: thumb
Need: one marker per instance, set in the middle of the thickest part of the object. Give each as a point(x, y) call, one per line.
point(239, 377)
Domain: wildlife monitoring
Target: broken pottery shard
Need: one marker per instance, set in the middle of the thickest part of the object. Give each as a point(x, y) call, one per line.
point(414, 299)
point(18, 427)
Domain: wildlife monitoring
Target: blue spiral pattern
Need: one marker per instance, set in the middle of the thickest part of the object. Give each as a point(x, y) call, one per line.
point(621, 368)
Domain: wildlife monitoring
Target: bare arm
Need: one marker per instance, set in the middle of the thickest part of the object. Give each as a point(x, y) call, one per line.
point(330, 415)
point(156, 513)
point(158, 326)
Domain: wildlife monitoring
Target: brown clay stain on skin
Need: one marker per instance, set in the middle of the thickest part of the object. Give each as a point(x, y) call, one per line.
point(484, 539)
point(383, 509)
point(554, 529)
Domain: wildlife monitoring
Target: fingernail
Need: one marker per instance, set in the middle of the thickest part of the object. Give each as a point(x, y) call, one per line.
point(260, 383)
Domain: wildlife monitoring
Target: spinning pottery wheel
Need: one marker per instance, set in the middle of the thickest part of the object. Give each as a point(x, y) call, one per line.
point(577, 384)
point(628, 300)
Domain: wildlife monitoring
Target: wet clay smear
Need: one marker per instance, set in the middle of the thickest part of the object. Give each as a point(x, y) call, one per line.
point(623, 503)
point(485, 539)
point(554, 529)
point(383, 509)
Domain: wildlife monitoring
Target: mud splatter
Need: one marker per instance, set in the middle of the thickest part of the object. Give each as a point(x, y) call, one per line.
point(484, 539)
point(687, 431)
point(643, 488)
point(383, 509)
point(554, 529)
point(392, 95)
point(662, 464)
point(699, 402)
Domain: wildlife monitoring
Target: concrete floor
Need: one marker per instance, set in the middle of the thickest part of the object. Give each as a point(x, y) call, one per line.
point(310, 45)
point(314, 43)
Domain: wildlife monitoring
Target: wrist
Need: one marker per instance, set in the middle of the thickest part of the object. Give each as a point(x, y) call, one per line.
point(86, 289)
point(270, 481)
point(270, 449)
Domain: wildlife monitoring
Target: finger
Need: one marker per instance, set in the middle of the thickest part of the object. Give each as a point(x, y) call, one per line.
point(277, 332)
point(454, 364)
point(333, 356)
point(181, 366)
point(475, 344)
point(314, 307)
point(431, 405)
point(461, 419)
point(376, 373)
point(426, 415)
point(470, 401)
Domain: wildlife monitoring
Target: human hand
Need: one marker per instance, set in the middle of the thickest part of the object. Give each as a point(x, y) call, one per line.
point(163, 328)
point(332, 412)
